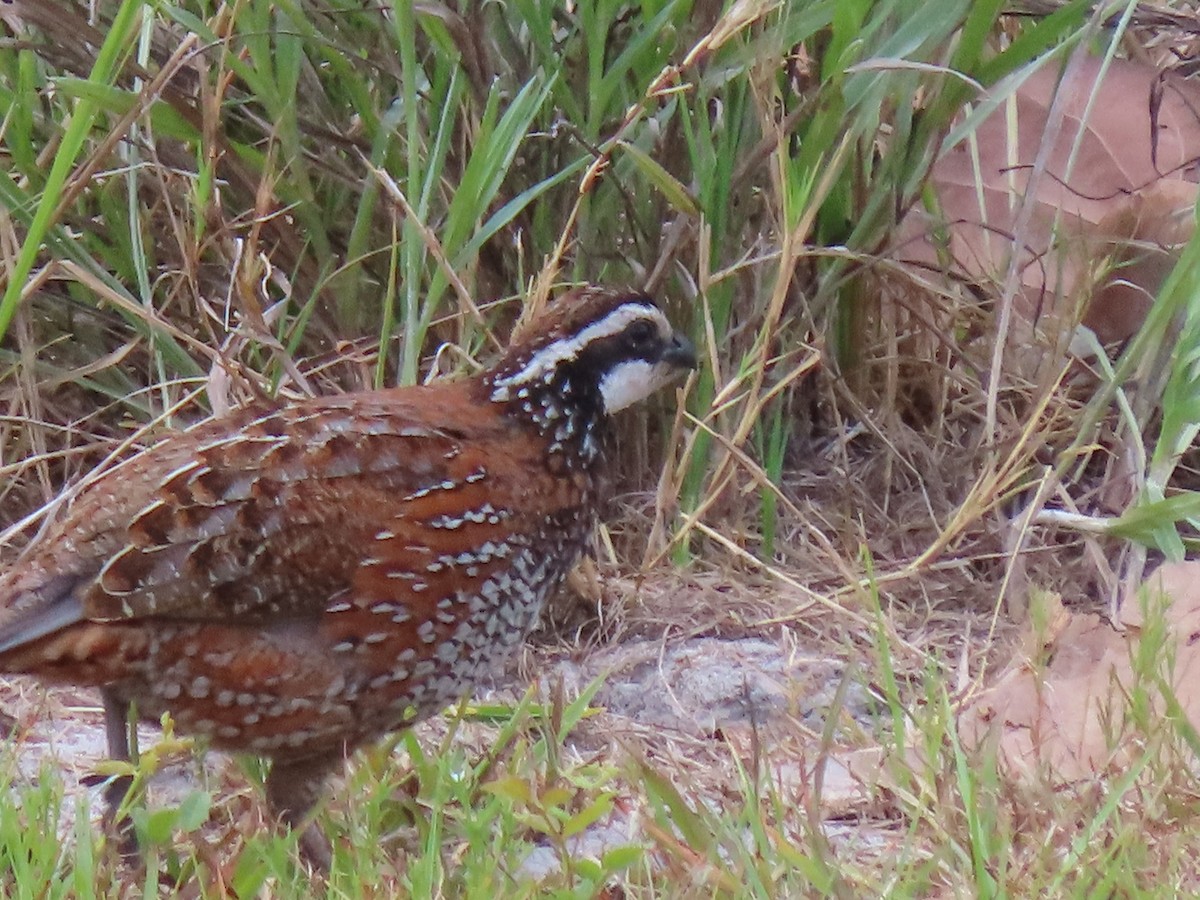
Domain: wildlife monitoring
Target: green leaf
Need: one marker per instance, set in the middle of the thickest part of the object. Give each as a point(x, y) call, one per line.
point(193, 811)
point(71, 145)
point(1154, 522)
point(620, 858)
point(164, 118)
point(514, 788)
point(158, 824)
point(589, 815)
point(692, 826)
point(670, 187)
point(555, 797)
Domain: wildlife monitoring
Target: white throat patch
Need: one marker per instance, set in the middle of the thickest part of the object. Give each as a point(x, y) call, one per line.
point(629, 382)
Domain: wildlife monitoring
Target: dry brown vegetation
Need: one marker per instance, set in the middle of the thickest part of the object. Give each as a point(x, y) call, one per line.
point(902, 476)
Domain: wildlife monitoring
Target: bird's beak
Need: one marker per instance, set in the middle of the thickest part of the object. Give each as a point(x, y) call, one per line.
point(680, 353)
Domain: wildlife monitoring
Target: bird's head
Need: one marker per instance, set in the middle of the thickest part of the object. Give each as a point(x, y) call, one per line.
point(594, 344)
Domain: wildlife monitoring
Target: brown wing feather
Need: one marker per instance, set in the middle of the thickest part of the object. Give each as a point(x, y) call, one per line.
point(263, 516)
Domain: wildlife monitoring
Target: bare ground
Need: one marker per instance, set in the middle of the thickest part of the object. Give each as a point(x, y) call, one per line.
point(690, 685)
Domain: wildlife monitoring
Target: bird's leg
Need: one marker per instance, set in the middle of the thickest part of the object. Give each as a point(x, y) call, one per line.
point(293, 788)
point(116, 725)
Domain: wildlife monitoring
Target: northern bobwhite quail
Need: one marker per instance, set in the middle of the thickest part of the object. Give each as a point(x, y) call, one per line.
point(294, 582)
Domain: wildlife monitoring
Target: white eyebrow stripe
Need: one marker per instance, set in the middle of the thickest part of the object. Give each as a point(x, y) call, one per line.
point(548, 358)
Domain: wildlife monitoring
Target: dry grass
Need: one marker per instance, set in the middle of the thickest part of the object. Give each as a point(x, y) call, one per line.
point(851, 478)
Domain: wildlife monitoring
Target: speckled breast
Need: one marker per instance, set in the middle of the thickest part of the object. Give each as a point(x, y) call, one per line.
point(427, 615)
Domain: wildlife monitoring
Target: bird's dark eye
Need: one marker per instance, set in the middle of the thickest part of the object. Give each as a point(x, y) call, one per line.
point(640, 335)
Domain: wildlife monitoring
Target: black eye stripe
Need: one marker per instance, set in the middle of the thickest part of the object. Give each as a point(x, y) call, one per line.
point(640, 332)
point(608, 351)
